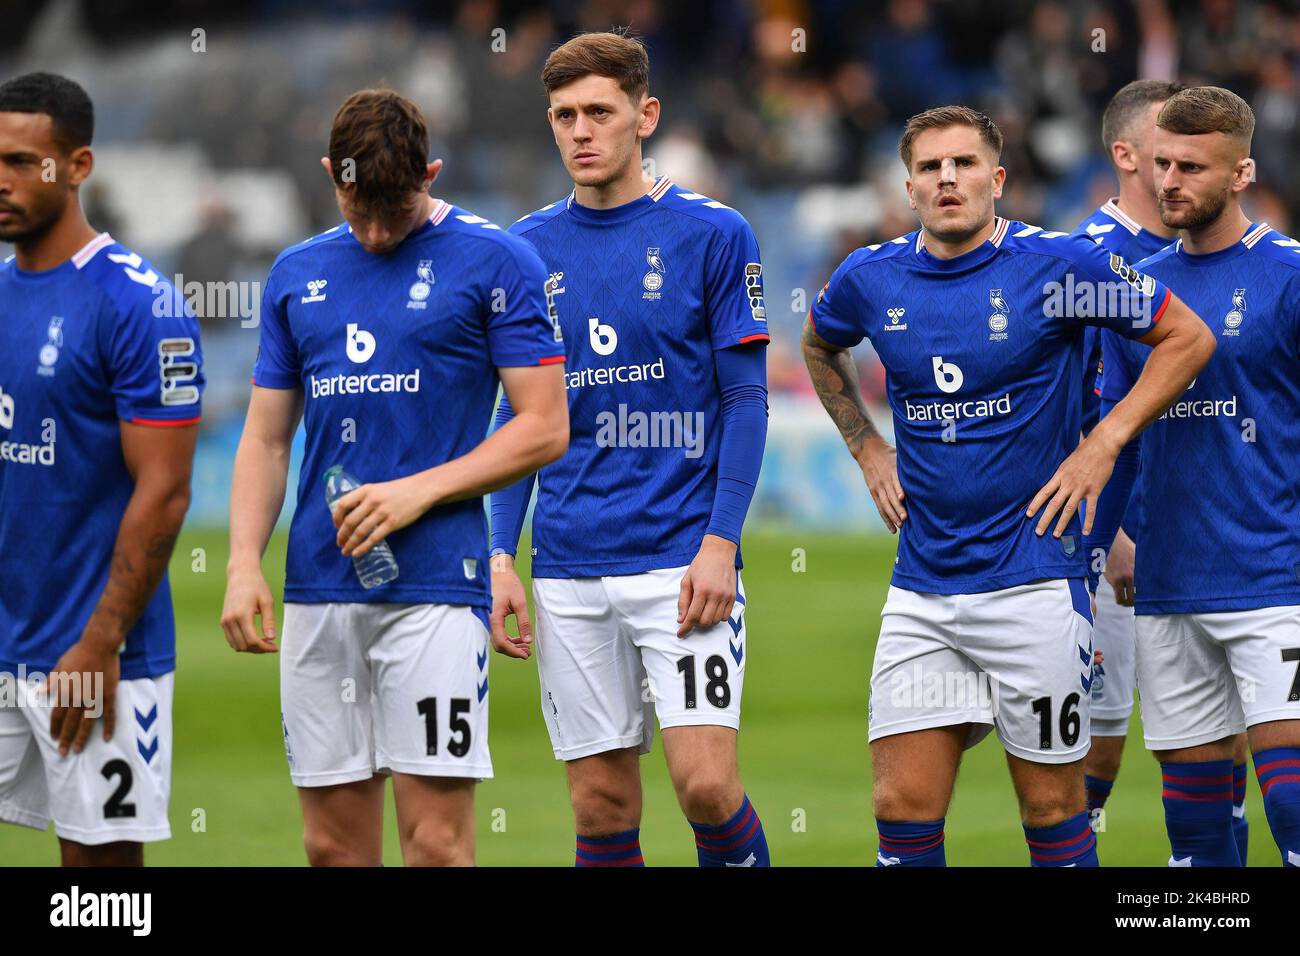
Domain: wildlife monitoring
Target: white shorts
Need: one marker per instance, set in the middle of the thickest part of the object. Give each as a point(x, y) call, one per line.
point(609, 660)
point(1204, 677)
point(1018, 660)
point(110, 792)
point(384, 688)
point(1114, 679)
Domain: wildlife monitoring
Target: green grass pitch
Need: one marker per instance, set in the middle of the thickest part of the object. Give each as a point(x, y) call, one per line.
point(803, 745)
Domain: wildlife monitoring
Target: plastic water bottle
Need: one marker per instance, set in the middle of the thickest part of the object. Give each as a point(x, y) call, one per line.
point(377, 566)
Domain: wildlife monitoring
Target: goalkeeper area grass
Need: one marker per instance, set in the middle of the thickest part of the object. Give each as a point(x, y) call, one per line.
point(813, 618)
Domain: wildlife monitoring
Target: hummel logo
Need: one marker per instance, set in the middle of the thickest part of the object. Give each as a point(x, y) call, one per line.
point(737, 650)
point(314, 291)
point(895, 322)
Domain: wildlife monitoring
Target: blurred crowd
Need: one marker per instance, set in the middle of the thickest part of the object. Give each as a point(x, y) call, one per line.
point(788, 109)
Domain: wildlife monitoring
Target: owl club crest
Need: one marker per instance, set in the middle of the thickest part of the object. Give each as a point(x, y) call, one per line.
point(653, 280)
point(422, 286)
point(49, 353)
point(1237, 314)
point(1000, 318)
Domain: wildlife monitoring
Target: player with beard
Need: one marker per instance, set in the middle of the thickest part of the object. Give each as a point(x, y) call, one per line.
point(1217, 510)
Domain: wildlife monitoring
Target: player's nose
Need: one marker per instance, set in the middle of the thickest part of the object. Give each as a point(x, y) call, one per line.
point(948, 171)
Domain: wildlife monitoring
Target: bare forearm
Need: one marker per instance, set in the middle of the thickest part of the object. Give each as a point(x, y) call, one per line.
point(518, 448)
point(1170, 369)
point(835, 379)
point(256, 497)
point(146, 537)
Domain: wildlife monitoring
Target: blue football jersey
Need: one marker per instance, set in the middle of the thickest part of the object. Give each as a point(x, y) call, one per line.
point(99, 340)
point(645, 292)
point(397, 357)
point(1225, 458)
point(982, 354)
point(1116, 231)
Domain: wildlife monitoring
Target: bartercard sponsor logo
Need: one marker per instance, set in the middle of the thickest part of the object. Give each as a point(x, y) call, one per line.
point(616, 374)
point(1202, 408)
point(957, 411)
point(378, 383)
point(25, 453)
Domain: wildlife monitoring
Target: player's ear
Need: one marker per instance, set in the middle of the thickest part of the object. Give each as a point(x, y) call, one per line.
point(81, 162)
point(1243, 175)
point(329, 168)
point(649, 117)
point(431, 172)
point(1123, 155)
point(999, 178)
point(911, 199)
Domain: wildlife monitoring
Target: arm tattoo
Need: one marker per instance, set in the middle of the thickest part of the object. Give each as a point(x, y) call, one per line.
point(835, 378)
point(144, 545)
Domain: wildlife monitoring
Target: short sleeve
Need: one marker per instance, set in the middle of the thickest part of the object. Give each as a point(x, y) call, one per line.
point(1121, 364)
point(1100, 288)
point(733, 289)
point(523, 327)
point(277, 364)
point(836, 310)
point(155, 359)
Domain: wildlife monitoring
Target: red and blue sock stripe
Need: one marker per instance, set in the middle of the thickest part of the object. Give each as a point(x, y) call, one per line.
point(1198, 813)
point(617, 849)
point(1070, 843)
point(738, 842)
point(905, 843)
point(1278, 770)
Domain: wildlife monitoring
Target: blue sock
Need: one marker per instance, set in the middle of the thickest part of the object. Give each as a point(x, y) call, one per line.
point(1198, 813)
point(1278, 770)
point(910, 844)
point(1098, 790)
point(738, 842)
point(1071, 843)
point(619, 849)
point(1240, 825)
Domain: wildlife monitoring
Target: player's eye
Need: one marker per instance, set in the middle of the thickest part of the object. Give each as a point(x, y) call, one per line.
point(964, 162)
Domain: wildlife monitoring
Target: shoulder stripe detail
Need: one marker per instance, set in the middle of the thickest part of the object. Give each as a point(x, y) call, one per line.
point(1028, 231)
point(440, 212)
point(660, 188)
point(474, 220)
point(1284, 243)
point(1111, 208)
point(87, 252)
point(1256, 234)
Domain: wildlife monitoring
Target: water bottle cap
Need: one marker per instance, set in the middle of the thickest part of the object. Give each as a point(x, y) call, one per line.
point(331, 472)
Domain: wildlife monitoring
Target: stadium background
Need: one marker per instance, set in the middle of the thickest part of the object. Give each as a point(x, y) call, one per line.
point(211, 117)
